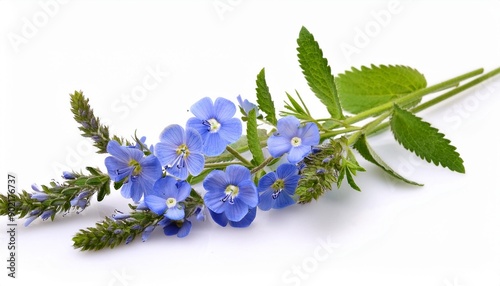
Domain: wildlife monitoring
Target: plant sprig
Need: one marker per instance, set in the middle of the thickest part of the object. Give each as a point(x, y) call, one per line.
point(361, 102)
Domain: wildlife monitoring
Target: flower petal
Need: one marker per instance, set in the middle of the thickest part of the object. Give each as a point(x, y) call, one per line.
point(185, 229)
point(197, 124)
point(291, 184)
point(288, 126)
point(230, 130)
point(123, 153)
point(156, 204)
point(203, 109)
point(309, 134)
point(237, 174)
point(126, 190)
point(286, 170)
point(214, 202)
point(173, 134)
point(224, 109)
point(194, 141)
point(170, 228)
point(278, 145)
point(220, 219)
point(283, 200)
point(178, 172)
point(265, 200)
point(184, 190)
point(195, 163)
point(216, 182)
point(236, 211)
point(117, 169)
point(213, 144)
point(165, 153)
point(298, 153)
point(175, 213)
point(247, 220)
point(151, 169)
point(248, 193)
point(166, 187)
point(266, 181)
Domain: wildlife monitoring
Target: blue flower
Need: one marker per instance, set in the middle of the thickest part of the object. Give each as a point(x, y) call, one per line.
point(32, 216)
point(247, 105)
point(147, 232)
point(181, 228)
point(222, 220)
point(231, 192)
point(215, 123)
point(293, 138)
point(46, 214)
point(68, 175)
point(80, 200)
point(180, 151)
point(277, 188)
point(166, 198)
point(39, 195)
point(138, 172)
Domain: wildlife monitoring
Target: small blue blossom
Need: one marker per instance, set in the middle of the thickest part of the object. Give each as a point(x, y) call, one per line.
point(277, 188)
point(215, 123)
point(293, 138)
point(181, 228)
point(80, 200)
point(180, 151)
point(32, 216)
point(200, 213)
point(231, 192)
point(68, 175)
point(147, 232)
point(247, 105)
point(222, 220)
point(38, 194)
point(138, 172)
point(166, 197)
point(46, 214)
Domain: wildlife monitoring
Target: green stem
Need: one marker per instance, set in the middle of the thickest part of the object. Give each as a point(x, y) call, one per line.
point(238, 156)
point(262, 165)
point(442, 97)
point(330, 134)
point(411, 97)
point(367, 128)
point(221, 165)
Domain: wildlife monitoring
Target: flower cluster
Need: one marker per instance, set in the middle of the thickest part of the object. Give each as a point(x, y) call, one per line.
point(157, 178)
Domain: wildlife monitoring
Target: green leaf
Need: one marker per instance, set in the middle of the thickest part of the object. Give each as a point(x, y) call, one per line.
point(350, 180)
point(424, 140)
point(253, 138)
point(369, 154)
point(318, 73)
point(264, 99)
point(103, 191)
point(360, 90)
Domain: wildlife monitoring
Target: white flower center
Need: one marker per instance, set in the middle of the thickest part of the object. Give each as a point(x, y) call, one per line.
point(214, 125)
point(231, 192)
point(296, 141)
point(171, 202)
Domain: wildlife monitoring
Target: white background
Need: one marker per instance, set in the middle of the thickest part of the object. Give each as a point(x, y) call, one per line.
point(446, 233)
